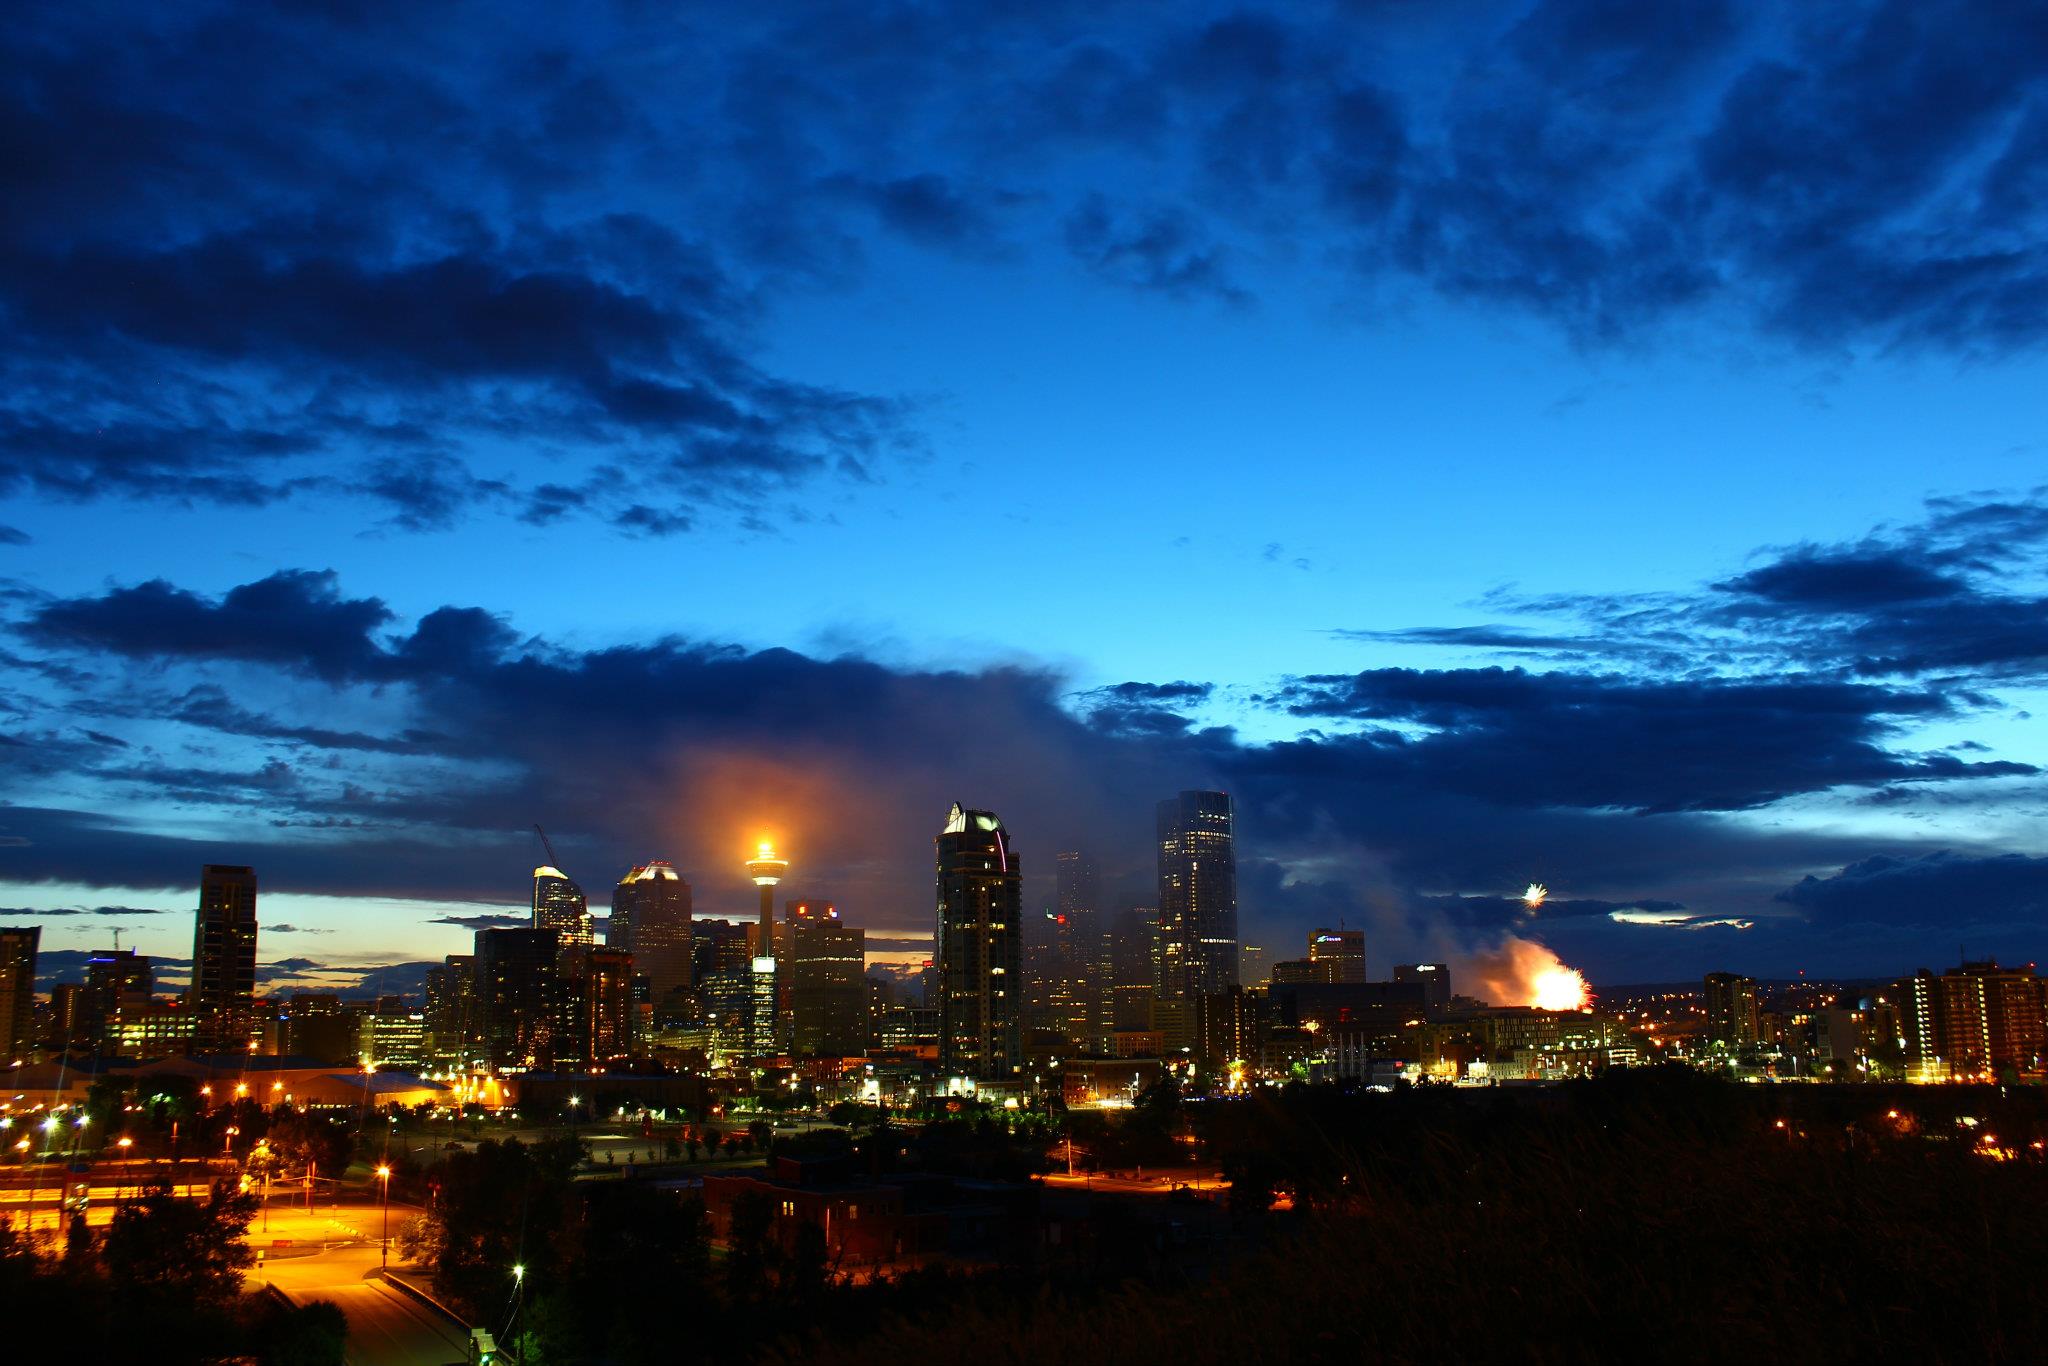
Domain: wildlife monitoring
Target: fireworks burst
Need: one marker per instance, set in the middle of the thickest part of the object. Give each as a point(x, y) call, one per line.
point(1534, 896)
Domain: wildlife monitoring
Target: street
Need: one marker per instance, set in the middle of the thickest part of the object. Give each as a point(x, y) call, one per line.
point(386, 1327)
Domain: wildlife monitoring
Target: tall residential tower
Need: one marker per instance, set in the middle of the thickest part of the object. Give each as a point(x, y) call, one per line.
point(980, 948)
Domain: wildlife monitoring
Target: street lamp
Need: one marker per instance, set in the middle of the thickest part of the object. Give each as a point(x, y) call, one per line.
point(124, 1143)
point(384, 1243)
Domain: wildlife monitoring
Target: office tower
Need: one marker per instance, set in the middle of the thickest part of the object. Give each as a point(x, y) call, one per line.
point(980, 948)
point(597, 1016)
point(1197, 895)
point(223, 994)
point(719, 946)
point(66, 1023)
point(1127, 970)
point(17, 989)
point(560, 906)
point(1731, 1009)
point(451, 1013)
point(320, 1027)
point(1435, 980)
point(518, 997)
point(823, 963)
point(1252, 965)
point(117, 982)
point(651, 921)
point(1074, 1000)
point(1343, 950)
point(390, 1036)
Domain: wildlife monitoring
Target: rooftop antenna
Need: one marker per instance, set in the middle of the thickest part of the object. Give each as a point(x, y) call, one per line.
point(117, 939)
point(553, 862)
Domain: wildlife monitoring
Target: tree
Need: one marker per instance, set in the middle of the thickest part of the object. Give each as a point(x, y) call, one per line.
point(748, 1238)
point(159, 1246)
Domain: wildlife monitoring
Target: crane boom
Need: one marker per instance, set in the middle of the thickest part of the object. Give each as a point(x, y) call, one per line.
point(553, 862)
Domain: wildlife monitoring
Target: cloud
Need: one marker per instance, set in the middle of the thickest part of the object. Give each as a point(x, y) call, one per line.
point(1942, 889)
point(10, 535)
point(294, 929)
point(484, 922)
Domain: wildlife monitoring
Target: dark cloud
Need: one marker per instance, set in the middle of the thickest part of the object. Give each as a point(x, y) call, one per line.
point(484, 922)
point(1942, 890)
point(294, 929)
point(1611, 740)
point(403, 248)
point(11, 535)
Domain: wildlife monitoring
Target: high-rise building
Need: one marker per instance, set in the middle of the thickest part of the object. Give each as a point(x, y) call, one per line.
point(718, 946)
point(1343, 950)
point(118, 982)
point(597, 1023)
point(1197, 895)
point(560, 906)
point(823, 961)
point(1252, 961)
point(980, 948)
point(1074, 999)
point(321, 1027)
point(1127, 974)
point(1731, 1009)
point(1435, 980)
point(17, 989)
point(518, 997)
point(392, 1036)
point(451, 1013)
point(651, 921)
point(1976, 1018)
point(222, 998)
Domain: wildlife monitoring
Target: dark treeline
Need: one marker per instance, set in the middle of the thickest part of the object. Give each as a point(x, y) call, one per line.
point(1646, 1216)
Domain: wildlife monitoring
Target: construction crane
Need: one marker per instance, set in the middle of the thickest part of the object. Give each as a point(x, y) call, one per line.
point(553, 862)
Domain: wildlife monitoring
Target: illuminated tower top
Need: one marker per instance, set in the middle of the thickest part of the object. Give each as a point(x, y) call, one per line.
point(766, 868)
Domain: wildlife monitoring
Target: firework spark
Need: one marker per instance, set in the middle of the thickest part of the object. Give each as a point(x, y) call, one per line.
point(1533, 897)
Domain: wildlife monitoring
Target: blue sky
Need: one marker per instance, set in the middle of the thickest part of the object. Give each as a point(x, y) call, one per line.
point(815, 418)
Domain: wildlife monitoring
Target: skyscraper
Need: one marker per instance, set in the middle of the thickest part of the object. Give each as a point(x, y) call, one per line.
point(822, 961)
point(17, 988)
point(518, 997)
point(559, 905)
point(451, 1012)
point(1075, 998)
point(1343, 951)
point(597, 1009)
point(1197, 895)
point(1435, 981)
point(651, 921)
point(222, 999)
point(980, 948)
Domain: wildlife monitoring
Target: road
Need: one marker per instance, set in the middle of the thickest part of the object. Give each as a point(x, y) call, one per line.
point(385, 1326)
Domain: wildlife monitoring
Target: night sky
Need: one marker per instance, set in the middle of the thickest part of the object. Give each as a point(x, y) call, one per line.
point(1588, 442)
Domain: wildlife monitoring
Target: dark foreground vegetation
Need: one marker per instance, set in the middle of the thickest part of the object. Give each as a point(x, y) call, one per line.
point(1647, 1216)
point(161, 1283)
point(1655, 1216)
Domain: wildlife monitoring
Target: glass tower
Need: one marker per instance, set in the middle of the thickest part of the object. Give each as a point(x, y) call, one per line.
point(651, 921)
point(980, 948)
point(1197, 896)
point(222, 1001)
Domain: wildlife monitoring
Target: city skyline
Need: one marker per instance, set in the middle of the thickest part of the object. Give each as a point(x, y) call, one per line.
point(1498, 445)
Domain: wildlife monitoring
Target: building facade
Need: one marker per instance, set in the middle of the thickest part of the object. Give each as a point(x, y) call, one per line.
point(980, 948)
point(651, 921)
point(518, 997)
point(222, 997)
point(823, 962)
point(1731, 1003)
point(1197, 895)
point(18, 988)
point(1343, 951)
